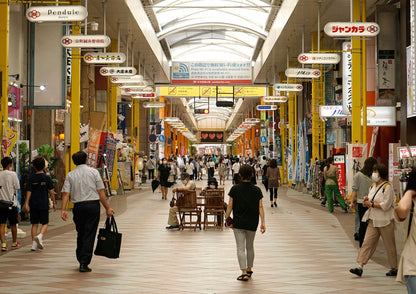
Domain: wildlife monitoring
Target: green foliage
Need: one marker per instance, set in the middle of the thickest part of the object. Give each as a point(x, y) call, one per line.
point(47, 153)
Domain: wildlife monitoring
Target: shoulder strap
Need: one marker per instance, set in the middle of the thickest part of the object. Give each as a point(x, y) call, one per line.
point(410, 218)
point(381, 186)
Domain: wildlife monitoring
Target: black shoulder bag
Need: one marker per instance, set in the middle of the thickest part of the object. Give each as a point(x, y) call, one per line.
point(108, 240)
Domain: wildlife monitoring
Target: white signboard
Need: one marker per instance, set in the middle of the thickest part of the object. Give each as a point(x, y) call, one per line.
point(346, 77)
point(56, 13)
point(352, 29)
point(211, 73)
point(252, 120)
point(154, 104)
point(302, 73)
point(104, 58)
point(127, 79)
point(266, 107)
point(143, 95)
point(276, 99)
point(411, 101)
point(85, 41)
point(376, 115)
point(319, 58)
point(118, 71)
point(138, 91)
point(288, 87)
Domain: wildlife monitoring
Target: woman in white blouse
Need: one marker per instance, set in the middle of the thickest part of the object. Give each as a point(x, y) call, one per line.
point(380, 217)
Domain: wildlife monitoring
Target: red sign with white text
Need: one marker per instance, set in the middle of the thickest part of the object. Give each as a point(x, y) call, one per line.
point(339, 162)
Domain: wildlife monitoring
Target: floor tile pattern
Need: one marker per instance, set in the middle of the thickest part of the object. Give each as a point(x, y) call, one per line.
point(304, 250)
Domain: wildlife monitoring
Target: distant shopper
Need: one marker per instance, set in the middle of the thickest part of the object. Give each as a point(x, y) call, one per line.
point(236, 170)
point(222, 171)
point(163, 173)
point(405, 210)
point(246, 205)
point(9, 184)
point(360, 186)
point(331, 185)
point(380, 217)
point(173, 221)
point(211, 168)
point(87, 191)
point(151, 164)
point(273, 181)
point(39, 188)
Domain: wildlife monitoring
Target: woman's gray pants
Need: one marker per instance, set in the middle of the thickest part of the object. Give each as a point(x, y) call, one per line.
point(244, 240)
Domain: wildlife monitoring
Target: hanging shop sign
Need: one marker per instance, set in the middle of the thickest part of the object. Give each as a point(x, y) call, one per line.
point(376, 115)
point(85, 41)
point(266, 107)
point(252, 120)
point(56, 13)
point(339, 162)
point(211, 73)
point(302, 73)
point(275, 99)
point(346, 77)
point(223, 91)
point(288, 87)
point(117, 71)
point(104, 58)
point(143, 95)
point(352, 29)
point(154, 104)
point(212, 137)
point(137, 91)
point(127, 79)
point(319, 58)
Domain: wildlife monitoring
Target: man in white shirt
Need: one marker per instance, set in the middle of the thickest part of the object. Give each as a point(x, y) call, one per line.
point(236, 170)
point(9, 184)
point(87, 191)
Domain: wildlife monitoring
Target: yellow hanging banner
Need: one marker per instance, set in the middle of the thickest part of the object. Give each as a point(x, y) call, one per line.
point(9, 139)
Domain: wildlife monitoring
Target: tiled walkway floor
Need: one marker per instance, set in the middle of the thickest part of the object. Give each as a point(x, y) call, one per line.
point(304, 250)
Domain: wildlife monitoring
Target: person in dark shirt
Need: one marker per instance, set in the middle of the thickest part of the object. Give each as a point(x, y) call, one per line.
point(39, 188)
point(246, 205)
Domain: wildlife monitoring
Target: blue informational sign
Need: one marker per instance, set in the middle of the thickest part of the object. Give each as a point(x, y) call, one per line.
point(152, 138)
point(266, 107)
point(161, 138)
point(263, 139)
point(121, 116)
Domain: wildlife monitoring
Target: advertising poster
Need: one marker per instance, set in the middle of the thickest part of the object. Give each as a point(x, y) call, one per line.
point(95, 147)
point(212, 137)
point(9, 139)
point(339, 162)
point(110, 151)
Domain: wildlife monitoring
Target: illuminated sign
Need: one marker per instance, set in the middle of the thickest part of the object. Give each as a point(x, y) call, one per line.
point(352, 29)
point(288, 87)
point(104, 58)
point(118, 71)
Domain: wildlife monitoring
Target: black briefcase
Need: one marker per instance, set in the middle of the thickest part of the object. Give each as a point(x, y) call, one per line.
point(108, 240)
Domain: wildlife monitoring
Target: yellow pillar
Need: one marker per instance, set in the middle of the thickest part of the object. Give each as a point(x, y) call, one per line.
point(364, 75)
point(283, 139)
point(75, 95)
point(4, 60)
point(316, 100)
point(356, 79)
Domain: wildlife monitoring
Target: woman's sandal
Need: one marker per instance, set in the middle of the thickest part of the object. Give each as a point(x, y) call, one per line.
point(249, 273)
point(243, 278)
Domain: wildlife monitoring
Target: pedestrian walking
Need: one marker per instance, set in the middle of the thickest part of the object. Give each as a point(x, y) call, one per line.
point(246, 205)
point(87, 191)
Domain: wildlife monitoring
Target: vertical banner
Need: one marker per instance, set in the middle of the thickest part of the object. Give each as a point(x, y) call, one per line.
point(278, 141)
point(356, 155)
point(110, 151)
point(9, 139)
point(93, 150)
point(346, 78)
point(339, 162)
point(298, 165)
point(373, 141)
point(307, 160)
point(14, 98)
point(290, 158)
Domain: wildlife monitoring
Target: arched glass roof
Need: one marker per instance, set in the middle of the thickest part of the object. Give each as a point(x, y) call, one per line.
point(212, 30)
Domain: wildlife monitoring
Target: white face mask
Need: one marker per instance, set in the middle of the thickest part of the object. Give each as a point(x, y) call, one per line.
point(375, 177)
point(212, 186)
point(165, 162)
point(184, 182)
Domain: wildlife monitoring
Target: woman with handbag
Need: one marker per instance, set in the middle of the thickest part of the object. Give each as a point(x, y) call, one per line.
point(163, 173)
point(380, 217)
point(246, 205)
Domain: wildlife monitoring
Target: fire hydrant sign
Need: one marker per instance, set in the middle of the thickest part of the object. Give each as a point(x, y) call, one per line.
point(56, 13)
point(352, 29)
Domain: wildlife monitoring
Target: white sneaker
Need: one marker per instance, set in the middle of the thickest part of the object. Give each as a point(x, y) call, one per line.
point(34, 246)
point(39, 242)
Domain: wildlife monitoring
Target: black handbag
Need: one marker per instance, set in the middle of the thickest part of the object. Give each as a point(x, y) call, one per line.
point(108, 240)
point(4, 204)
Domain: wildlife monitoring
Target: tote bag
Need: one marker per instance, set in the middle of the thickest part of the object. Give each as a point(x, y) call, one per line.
point(108, 240)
